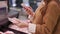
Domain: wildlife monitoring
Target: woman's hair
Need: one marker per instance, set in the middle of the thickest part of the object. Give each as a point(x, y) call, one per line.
point(45, 7)
point(47, 1)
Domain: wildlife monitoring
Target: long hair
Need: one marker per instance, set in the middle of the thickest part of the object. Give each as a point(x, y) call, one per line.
point(47, 1)
point(45, 7)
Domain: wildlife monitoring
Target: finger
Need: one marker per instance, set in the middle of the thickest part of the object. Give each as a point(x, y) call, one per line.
point(13, 21)
point(9, 32)
point(30, 7)
point(27, 9)
point(1, 32)
point(16, 20)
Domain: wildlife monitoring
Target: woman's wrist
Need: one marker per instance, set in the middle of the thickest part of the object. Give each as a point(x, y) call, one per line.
point(32, 27)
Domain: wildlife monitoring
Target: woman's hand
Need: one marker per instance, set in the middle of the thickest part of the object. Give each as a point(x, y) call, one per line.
point(1, 32)
point(14, 20)
point(29, 10)
point(19, 23)
point(9, 32)
point(22, 25)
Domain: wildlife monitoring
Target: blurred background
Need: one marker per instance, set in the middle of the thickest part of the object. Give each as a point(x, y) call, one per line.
point(16, 5)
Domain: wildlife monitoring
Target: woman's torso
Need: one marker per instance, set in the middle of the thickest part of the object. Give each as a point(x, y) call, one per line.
point(37, 15)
